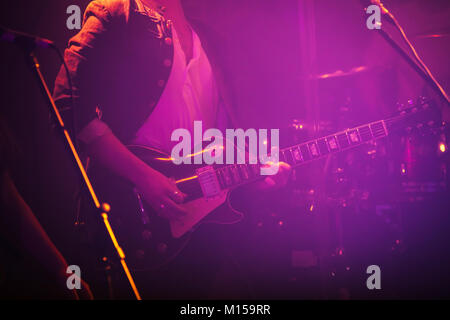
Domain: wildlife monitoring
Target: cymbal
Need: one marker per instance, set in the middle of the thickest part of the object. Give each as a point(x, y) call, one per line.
point(340, 73)
point(436, 35)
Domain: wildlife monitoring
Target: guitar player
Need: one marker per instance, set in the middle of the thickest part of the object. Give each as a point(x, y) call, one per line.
point(140, 69)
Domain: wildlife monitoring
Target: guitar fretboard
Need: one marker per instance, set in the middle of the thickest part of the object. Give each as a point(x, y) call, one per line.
point(318, 148)
point(235, 175)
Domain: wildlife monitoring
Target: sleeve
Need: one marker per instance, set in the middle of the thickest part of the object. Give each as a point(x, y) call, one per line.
point(93, 130)
point(84, 62)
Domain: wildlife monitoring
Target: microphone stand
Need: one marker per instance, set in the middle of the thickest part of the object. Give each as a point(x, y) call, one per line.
point(423, 70)
point(412, 63)
point(102, 208)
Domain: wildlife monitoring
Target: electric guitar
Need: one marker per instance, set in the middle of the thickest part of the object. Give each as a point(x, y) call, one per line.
point(151, 241)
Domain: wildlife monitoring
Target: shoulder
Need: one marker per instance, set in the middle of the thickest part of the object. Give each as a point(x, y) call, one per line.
point(108, 10)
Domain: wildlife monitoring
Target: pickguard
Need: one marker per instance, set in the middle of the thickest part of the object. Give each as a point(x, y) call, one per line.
point(197, 210)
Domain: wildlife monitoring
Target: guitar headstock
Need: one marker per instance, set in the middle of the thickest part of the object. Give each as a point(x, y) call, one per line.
point(416, 114)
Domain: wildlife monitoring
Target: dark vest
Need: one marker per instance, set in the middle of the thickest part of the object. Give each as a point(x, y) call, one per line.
point(120, 63)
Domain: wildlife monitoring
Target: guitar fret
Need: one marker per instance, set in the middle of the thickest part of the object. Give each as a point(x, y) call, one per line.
point(235, 174)
point(323, 146)
point(365, 133)
point(314, 149)
point(378, 130)
point(305, 152)
point(343, 141)
point(244, 172)
point(297, 155)
point(353, 136)
point(293, 156)
point(282, 156)
point(221, 178)
point(371, 131)
point(288, 157)
point(228, 180)
point(332, 144)
point(384, 127)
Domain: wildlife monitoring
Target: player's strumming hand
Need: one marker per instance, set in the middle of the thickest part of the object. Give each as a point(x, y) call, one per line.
point(276, 181)
point(158, 191)
point(161, 193)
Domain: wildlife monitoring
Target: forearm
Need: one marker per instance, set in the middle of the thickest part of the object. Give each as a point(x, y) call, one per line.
point(160, 192)
point(111, 153)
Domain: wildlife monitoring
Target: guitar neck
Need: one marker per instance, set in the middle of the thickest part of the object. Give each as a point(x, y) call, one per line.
point(350, 138)
point(341, 141)
point(236, 175)
point(232, 176)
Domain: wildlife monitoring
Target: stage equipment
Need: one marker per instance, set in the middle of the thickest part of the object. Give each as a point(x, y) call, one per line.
point(154, 241)
point(340, 73)
point(28, 43)
point(418, 65)
point(422, 165)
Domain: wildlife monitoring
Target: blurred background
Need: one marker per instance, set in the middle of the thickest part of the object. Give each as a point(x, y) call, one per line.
point(308, 67)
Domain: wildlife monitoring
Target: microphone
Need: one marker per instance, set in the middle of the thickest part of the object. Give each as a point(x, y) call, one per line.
point(24, 40)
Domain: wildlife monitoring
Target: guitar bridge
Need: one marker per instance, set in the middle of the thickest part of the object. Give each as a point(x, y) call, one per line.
point(209, 182)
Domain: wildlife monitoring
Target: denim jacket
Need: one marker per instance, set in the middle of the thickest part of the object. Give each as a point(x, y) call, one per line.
point(119, 64)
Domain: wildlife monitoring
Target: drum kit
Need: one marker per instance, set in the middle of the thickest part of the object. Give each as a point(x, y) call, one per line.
point(367, 188)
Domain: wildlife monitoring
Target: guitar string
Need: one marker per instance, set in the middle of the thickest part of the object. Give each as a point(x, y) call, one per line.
point(388, 122)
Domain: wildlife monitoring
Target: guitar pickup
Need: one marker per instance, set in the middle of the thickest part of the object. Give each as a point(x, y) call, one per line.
point(209, 182)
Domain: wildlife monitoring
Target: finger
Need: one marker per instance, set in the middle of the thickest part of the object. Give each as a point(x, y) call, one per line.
point(287, 166)
point(284, 167)
point(284, 172)
point(177, 196)
point(270, 182)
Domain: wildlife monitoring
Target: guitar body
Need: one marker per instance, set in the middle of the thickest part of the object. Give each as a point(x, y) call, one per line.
point(148, 240)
